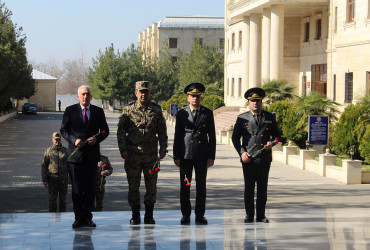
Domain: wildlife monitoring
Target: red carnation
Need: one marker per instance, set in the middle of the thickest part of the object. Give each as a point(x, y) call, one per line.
point(276, 140)
point(150, 171)
point(104, 132)
point(63, 182)
point(188, 184)
point(103, 166)
point(157, 169)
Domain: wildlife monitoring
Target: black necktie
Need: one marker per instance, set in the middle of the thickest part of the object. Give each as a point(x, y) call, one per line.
point(257, 116)
point(195, 115)
point(85, 118)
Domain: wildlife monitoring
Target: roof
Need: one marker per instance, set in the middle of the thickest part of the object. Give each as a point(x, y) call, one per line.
point(37, 75)
point(200, 22)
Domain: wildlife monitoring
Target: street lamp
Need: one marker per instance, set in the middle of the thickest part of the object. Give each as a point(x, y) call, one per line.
point(307, 144)
point(351, 152)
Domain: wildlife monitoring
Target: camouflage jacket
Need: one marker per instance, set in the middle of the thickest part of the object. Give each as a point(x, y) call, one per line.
point(138, 128)
point(55, 163)
point(100, 179)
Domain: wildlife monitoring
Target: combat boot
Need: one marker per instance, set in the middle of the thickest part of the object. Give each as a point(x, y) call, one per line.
point(135, 220)
point(148, 217)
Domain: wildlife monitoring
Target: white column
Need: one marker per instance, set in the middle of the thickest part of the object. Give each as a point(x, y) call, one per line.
point(246, 37)
point(265, 54)
point(277, 42)
point(255, 51)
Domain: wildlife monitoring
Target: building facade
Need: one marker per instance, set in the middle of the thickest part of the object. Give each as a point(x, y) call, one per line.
point(180, 32)
point(45, 96)
point(313, 44)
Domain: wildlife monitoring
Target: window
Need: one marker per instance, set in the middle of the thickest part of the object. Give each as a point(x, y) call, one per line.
point(334, 87)
point(199, 40)
point(232, 41)
point(306, 32)
point(318, 78)
point(318, 29)
point(232, 87)
point(304, 85)
point(240, 39)
point(335, 19)
point(222, 43)
point(240, 87)
point(227, 86)
point(351, 11)
point(348, 88)
point(368, 82)
point(174, 59)
point(173, 43)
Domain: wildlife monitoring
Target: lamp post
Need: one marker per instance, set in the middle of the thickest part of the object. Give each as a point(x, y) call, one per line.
point(307, 144)
point(351, 152)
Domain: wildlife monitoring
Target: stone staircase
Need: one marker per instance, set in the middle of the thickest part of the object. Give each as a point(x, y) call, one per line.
point(225, 118)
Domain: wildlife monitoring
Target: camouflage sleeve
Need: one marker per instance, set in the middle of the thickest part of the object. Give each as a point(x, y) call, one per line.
point(162, 133)
point(45, 166)
point(121, 131)
point(108, 168)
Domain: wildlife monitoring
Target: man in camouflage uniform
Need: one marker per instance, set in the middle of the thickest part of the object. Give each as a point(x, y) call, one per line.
point(104, 169)
point(140, 123)
point(54, 170)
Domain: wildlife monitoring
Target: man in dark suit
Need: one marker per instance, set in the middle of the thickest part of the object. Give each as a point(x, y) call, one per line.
point(258, 129)
point(194, 146)
point(82, 127)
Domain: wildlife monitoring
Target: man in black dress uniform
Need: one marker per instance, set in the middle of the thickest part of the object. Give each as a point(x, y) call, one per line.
point(194, 146)
point(258, 129)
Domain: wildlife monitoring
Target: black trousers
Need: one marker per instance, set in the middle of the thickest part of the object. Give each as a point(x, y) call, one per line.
point(83, 178)
point(200, 167)
point(255, 173)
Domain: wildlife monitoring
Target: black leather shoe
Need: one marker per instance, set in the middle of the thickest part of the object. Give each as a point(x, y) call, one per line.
point(201, 220)
point(77, 224)
point(135, 221)
point(90, 223)
point(149, 220)
point(248, 219)
point(185, 220)
point(264, 220)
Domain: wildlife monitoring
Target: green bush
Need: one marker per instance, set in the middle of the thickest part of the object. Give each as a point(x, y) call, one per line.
point(213, 102)
point(345, 135)
point(365, 146)
point(280, 108)
point(163, 105)
point(291, 129)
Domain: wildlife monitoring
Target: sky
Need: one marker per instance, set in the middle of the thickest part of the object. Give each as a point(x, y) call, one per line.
point(69, 29)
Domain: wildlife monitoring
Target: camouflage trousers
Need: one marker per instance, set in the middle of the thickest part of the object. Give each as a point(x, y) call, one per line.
point(57, 187)
point(99, 196)
point(136, 164)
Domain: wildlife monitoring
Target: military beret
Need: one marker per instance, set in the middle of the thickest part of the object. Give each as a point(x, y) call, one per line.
point(140, 85)
point(194, 88)
point(255, 94)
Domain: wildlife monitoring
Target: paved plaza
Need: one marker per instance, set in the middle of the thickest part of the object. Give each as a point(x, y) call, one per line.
point(306, 211)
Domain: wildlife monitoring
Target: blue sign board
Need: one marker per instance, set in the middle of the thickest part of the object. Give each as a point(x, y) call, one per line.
point(173, 109)
point(318, 130)
point(184, 106)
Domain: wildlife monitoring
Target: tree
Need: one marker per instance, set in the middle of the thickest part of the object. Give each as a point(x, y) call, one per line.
point(345, 135)
point(15, 72)
point(204, 64)
point(281, 109)
point(166, 72)
point(278, 90)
